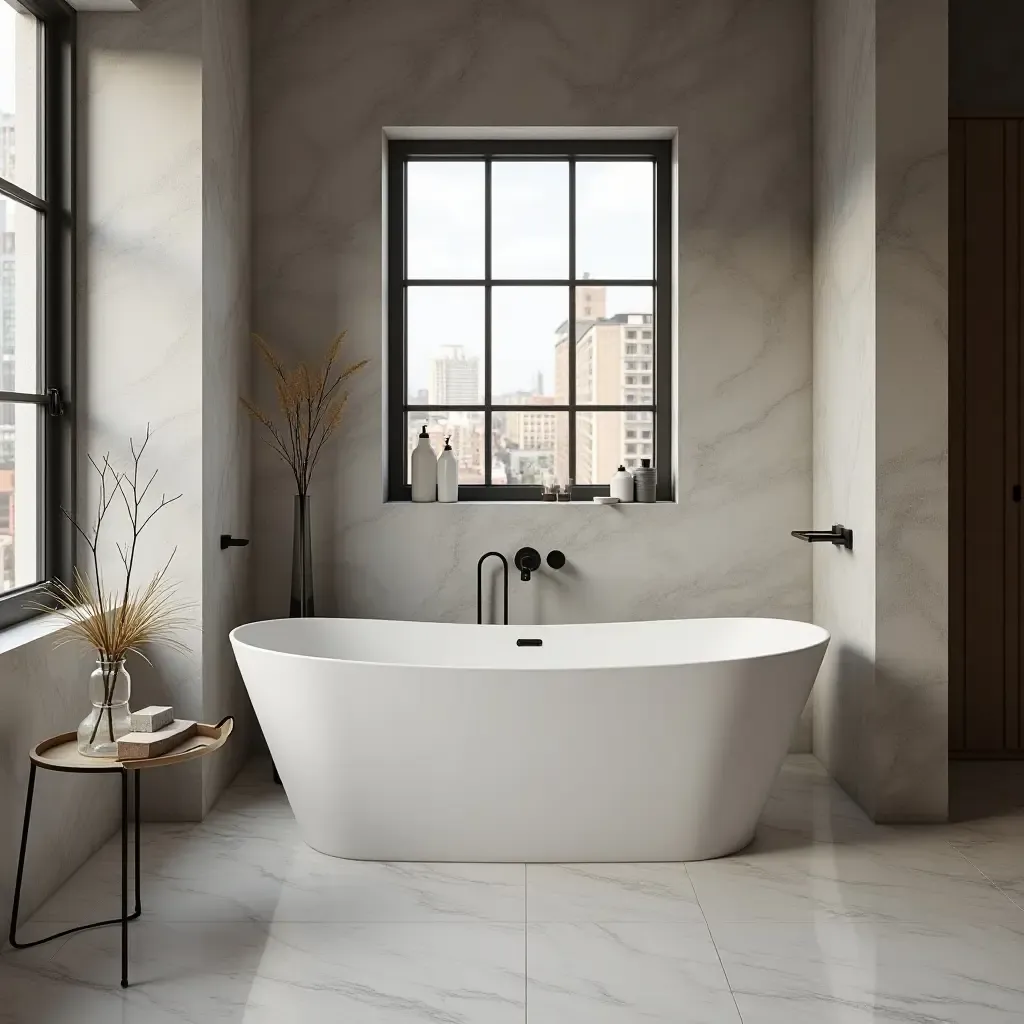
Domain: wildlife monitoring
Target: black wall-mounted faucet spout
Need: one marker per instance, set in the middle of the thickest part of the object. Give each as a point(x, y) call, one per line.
point(480, 584)
point(527, 561)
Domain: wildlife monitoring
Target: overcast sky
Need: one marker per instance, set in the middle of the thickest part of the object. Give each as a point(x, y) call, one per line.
point(7, 17)
point(530, 229)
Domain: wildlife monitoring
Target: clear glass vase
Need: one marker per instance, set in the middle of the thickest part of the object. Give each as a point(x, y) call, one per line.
point(110, 689)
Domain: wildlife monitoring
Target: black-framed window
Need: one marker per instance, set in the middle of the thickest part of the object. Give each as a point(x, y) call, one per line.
point(517, 269)
point(36, 298)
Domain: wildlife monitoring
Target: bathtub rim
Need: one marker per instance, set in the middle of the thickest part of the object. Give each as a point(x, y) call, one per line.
point(821, 637)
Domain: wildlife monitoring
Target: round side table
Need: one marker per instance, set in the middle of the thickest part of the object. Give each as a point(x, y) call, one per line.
point(60, 754)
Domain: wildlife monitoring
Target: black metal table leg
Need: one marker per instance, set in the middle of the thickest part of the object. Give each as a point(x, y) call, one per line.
point(137, 779)
point(124, 878)
point(21, 861)
point(125, 916)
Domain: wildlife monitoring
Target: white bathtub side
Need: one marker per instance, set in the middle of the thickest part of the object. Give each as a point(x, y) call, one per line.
point(654, 764)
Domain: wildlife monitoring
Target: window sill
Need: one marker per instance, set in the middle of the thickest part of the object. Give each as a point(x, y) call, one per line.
point(21, 634)
point(538, 504)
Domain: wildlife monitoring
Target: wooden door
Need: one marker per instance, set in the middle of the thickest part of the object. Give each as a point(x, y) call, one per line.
point(985, 187)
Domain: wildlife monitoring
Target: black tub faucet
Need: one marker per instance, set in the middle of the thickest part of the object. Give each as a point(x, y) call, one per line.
point(527, 561)
point(480, 582)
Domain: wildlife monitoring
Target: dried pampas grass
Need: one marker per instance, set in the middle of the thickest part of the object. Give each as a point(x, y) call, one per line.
point(312, 405)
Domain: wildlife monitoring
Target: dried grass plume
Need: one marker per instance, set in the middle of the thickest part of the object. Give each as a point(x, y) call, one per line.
point(311, 403)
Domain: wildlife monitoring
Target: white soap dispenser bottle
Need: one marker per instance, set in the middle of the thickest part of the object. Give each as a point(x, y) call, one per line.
point(424, 469)
point(447, 474)
point(622, 485)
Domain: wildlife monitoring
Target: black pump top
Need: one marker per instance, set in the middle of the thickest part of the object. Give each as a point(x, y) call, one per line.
point(646, 463)
point(423, 432)
point(621, 469)
point(447, 446)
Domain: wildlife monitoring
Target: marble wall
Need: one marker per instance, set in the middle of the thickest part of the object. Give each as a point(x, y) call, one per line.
point(844, 379)
point(909, 724)
point(141, 312)
point(163, 327)
point(881, 420)
point(733, 79)
point(226, 372)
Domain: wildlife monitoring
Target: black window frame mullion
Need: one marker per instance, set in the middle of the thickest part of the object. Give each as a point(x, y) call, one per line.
point(55, 312)
point(661, 347)
point(488, 297)
point(571, 324)
point(488, 151)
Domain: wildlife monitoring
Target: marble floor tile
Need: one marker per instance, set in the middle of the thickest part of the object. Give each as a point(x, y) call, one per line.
point(610, 892)
point(897, 879)
point(1001, 860)
point(825, 918)
point(625, 973)
point(202, 875)
point(372, 974)
point(856, 973)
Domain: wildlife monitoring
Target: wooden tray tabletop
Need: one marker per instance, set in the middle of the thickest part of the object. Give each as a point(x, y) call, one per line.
point(61, 752)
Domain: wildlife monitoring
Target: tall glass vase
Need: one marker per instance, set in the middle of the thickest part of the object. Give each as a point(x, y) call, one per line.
point(302, 560)
point(110, 689)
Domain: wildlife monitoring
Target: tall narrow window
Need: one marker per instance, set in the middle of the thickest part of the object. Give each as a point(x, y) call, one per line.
point(517, 270)
point(36, 253)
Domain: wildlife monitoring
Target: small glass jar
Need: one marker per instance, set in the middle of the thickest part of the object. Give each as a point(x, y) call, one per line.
point(110, 689)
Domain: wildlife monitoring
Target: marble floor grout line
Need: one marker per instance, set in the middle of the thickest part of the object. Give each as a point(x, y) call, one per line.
point(526, 944)
point(714, 942)
point(995, 885)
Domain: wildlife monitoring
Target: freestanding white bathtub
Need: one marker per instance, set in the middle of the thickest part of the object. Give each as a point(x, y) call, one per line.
point(629, 741)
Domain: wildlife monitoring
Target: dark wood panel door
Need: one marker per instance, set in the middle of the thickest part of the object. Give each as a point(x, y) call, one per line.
point(985, 437)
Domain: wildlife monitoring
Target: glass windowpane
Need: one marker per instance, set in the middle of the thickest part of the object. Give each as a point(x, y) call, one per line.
point(606, 440)
point(445, 228)
point(530, 219)
point(445, 360)
point(20, 483)
point(609, 346)
point(526, 444)
point(466, 430)
point(615, 218)
point(19, 98)
point(528, 332)
point(20, 234)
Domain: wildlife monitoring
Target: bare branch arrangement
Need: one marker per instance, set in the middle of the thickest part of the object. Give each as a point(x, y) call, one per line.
point(120, 620)
point(312, 405)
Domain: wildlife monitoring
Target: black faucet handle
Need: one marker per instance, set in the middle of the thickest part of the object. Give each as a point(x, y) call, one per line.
point(527, 561)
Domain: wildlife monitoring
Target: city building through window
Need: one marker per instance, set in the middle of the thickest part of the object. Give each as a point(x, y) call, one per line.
point(521, 274)
point(36, 224)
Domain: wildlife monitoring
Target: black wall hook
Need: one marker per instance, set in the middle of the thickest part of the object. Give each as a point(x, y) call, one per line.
point(839, 535)
point(227, 541)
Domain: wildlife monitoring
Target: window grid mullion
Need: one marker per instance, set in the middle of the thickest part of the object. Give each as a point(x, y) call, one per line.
point(571, 323)
point(487, 323)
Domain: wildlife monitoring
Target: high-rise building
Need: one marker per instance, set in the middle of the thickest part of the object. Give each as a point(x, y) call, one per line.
point(614, 366)
point(7, 382)
point(454, 378)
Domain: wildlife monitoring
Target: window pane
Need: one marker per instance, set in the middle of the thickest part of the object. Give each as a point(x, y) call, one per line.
point(466, 430)
point(615, 218)
point(530, 219)
point(20, 481)
point(614, 346)
point(527, 340)
point(445, 345)
point(445, 229)
point(19, 97)
point(19, 276)
point(606, 440)
point(525, 445)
